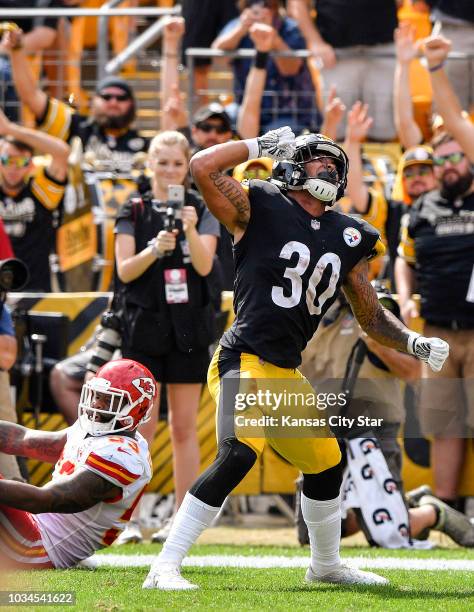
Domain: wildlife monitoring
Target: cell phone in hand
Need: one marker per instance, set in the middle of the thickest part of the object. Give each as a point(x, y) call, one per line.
point(174, 204)
point(176, 196)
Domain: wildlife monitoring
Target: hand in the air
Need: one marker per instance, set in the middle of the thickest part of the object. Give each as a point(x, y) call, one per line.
point(432, 351)
point(358, 122)
point(173, 30)
point(334, 109)
point(278, 144)
point(436, 49)
point(405, 45)
point(12, 40)
point(262, 36)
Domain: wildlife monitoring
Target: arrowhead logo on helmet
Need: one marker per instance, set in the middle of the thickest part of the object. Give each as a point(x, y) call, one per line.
point(327, 186)
point(119, 398)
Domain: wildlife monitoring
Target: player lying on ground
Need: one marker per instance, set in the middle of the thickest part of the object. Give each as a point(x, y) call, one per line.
point(291, 258)
point(102, 468)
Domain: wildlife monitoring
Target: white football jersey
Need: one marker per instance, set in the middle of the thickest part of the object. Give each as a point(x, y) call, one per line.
point(69, 538)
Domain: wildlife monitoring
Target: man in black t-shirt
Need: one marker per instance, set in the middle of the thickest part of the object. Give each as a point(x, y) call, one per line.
point(106, 133)
point(291, 257)
point(437, 250)
point(341, 32)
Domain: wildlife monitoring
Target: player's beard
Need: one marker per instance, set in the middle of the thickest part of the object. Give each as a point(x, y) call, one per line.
point(116, 122)
point(457, 188)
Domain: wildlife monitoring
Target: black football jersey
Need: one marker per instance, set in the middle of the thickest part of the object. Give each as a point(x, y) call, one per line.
point(289, 267)
point(441, 234)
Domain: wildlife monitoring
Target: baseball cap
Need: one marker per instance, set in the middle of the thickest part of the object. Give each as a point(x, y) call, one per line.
point(417, 155)
point(212, 110)
point(114, 81)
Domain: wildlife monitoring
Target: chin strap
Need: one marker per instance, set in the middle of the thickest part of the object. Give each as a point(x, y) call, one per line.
point(321, 190)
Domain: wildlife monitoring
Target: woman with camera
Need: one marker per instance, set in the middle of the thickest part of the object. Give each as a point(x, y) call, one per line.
point(163, 256)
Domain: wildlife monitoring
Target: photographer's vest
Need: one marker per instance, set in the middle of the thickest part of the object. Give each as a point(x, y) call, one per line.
point(169, 305)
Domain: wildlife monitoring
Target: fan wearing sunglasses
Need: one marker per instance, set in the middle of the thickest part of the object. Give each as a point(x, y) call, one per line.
point(438, 258)
point(211, 126)
point(106, 131)
point(29, 196)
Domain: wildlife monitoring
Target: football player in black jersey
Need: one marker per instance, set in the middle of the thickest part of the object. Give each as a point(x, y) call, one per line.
point(291, 258)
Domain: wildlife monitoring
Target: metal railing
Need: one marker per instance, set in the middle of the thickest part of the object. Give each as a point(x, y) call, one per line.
point(141, 42)
point(104, 12)
point(192, 53)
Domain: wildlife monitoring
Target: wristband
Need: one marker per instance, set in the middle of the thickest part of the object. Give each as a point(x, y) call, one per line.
point(254, 148)
point(437, 67)
point(412, 338)
point(261, 60)
point(154, 250)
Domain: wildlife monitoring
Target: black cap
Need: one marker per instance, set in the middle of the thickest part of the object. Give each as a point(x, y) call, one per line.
point(114, 81)
point(212, 110)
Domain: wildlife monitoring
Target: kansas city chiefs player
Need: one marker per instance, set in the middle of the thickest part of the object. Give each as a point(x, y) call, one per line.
point(102, 468)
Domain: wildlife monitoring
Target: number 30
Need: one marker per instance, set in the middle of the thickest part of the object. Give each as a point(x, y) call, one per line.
point(295, 274)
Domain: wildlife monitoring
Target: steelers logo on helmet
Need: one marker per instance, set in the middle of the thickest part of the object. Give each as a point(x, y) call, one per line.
point(330, 180)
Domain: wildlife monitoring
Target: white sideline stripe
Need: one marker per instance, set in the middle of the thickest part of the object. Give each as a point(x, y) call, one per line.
point(390, 563)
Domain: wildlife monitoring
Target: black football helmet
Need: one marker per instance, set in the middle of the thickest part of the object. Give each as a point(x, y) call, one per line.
point(327, 186)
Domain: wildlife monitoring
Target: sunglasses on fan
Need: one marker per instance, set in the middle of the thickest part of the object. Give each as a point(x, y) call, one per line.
point(417, 170)
point(19, 161)
point(453, 158)
point(110, 96)
point(207, 127)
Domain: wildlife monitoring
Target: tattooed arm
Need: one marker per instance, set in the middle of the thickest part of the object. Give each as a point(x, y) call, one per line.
point(78, 492)
point(24, 442)
point(381, 325)
point(378, 322)
point(225, 197)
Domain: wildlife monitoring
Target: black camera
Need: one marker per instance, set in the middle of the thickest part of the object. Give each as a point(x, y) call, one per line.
point(386, 298)
point(13, 274)
point(109, 338)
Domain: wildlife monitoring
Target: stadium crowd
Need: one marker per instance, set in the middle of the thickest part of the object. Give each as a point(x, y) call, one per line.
point(410, 175)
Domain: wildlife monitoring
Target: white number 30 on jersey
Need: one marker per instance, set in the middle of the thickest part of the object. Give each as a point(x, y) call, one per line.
point(295, 274)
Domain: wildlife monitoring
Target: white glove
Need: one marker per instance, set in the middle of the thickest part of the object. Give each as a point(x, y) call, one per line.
point(432, 351)
point(278, 144)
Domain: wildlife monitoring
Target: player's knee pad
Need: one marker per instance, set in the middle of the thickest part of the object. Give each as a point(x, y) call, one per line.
point(325, 485)
point(233, 461)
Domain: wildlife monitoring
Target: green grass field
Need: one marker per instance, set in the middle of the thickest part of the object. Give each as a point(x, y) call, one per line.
point(229, 588)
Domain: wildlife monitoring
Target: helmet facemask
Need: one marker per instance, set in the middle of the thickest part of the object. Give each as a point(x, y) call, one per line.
point(113, 414)
point(329, 184)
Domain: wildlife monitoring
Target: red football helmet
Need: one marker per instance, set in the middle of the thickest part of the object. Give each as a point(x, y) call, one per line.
point(118, 398)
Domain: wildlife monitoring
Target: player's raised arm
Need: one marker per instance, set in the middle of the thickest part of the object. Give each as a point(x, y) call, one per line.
point(383, 326)
point(225, 197)
point(35, 444)
point(78, 492)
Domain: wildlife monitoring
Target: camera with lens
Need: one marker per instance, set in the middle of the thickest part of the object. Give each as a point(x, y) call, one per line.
point(13, 274)
point(386, 298)
point(108, 340)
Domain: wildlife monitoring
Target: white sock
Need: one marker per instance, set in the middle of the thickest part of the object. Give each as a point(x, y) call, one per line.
point(190, 521)
point(323, 519)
